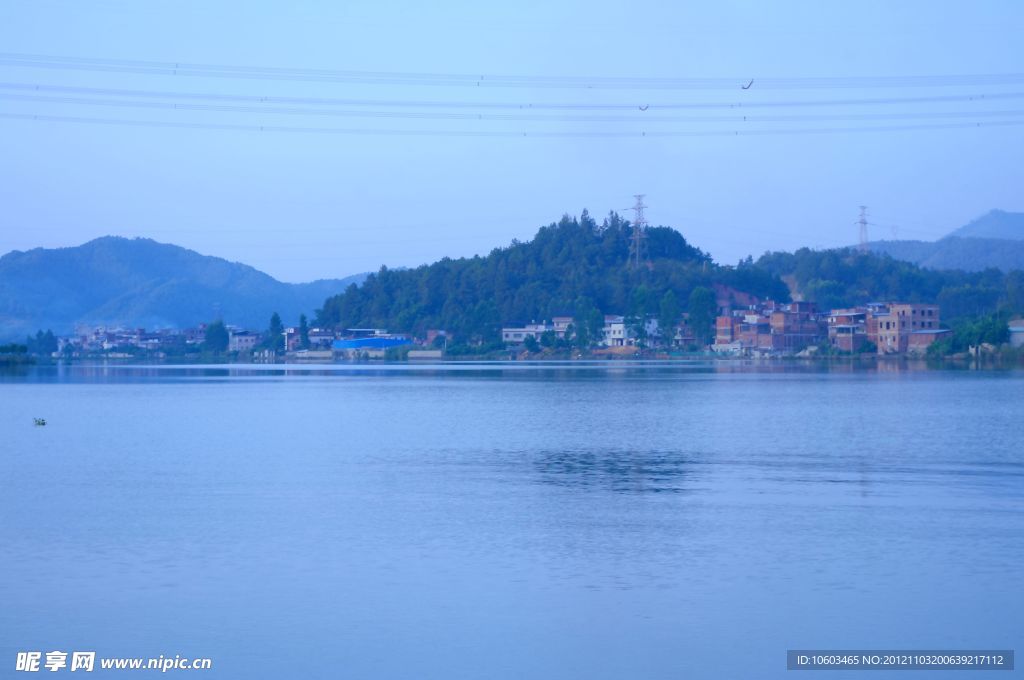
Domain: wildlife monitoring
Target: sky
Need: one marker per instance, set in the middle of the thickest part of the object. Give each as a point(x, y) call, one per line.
point(415, 164)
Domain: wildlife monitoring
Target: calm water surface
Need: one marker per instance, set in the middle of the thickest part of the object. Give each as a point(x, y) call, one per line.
point(509, 522)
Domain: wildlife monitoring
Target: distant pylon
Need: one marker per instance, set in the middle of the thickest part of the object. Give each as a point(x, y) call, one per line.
point(636, 244)
point(863, 223)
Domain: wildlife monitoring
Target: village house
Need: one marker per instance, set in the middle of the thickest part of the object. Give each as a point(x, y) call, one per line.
point(433, 334)
point(899, 328)
point(372, 343)
point(684, 336)
point(895, 328)
point(770, 328)
point(517, 334)
point(195, 336)
point(292, 339)
point(241, 340)
point(848, 329)
point(560, 325)
point(321, 338)
point(1017, 332)
point(615, 333)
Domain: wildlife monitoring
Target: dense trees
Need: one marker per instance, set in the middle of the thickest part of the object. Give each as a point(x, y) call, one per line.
point(967, 333)
point(576, 268)
point(669, 313)
point(580, 268)
point(275, 333)
point(42, 343)
point(303, 332)
point(217, 337)
point(587, 323)
point(846, 277)
point(702, 315)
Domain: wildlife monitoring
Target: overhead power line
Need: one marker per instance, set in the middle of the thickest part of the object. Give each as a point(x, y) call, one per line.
point(186, 69)
point(529, 106)
point(539, 117)
point(496, 133)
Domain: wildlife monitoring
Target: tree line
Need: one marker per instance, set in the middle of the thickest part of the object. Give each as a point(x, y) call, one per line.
point(846, 277)
point(576, 267)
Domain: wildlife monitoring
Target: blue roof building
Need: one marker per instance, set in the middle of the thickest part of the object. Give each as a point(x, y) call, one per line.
point(370, 343)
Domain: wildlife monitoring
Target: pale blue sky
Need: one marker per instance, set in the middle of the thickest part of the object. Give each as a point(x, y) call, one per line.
point(302, 206)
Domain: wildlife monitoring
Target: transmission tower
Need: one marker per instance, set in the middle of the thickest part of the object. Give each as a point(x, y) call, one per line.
point(636, 245)
point(863, 224)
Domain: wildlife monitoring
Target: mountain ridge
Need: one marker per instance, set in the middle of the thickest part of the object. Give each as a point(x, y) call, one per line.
point(995, 239)
point(995, 224)
point(140, 282)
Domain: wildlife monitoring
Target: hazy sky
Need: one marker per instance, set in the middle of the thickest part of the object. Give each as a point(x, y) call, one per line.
point(304, 205)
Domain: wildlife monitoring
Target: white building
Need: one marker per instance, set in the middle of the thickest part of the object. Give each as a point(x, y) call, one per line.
point(615, 333)
point(619, 331)
point(320, 337)
point(560, 324)
point(1017, 333)
point(518, 335)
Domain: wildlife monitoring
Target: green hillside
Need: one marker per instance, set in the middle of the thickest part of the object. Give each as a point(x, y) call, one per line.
point(845, 277)
point(568, 267)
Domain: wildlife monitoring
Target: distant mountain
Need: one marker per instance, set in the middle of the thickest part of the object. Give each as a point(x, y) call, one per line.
point(845, 277)
point(968, 254)
point(995, 239)
point(142, 283)
point(994, 224)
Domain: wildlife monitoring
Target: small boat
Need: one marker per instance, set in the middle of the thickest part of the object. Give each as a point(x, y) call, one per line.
point(40, 422)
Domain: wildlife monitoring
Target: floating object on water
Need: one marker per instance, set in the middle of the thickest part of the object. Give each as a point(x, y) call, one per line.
point(747, 86)
point(40, 421)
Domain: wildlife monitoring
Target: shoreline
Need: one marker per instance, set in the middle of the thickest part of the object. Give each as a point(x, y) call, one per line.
point(890, 364)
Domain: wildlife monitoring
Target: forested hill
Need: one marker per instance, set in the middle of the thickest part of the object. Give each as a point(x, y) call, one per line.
point(845, 277)
point(568, 267)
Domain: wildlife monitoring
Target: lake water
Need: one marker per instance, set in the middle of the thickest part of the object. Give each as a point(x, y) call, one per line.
point(509, 521)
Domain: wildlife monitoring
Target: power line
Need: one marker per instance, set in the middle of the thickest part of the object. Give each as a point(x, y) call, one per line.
point(862, 233)
point(495, 133)
point(185, 69)
point(529, 106)
point(638, 117)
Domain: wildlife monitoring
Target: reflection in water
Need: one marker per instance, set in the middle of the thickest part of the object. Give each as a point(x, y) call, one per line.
point(625, 471)
point(509, 520)
point(116, 371)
